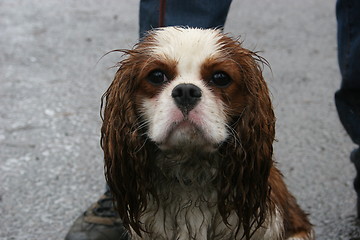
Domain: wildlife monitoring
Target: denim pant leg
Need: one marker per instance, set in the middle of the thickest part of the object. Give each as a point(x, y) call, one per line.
point(192, 13)
point(347, 99)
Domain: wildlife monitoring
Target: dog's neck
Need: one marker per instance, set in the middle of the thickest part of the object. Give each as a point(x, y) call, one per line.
point(190, 168)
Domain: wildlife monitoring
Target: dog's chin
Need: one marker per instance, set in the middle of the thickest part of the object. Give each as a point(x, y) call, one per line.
point(186, 136)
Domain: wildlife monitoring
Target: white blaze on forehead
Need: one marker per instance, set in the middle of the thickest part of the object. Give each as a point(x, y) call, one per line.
point(189, 47)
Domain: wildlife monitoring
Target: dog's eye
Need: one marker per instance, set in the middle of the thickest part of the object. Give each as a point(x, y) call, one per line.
point(157, 77)
point(221, 79)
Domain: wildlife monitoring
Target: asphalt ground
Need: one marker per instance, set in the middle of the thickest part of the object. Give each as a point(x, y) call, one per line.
point(52, 79)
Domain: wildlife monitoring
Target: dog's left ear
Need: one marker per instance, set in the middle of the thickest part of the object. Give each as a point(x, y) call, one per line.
point(246, 168)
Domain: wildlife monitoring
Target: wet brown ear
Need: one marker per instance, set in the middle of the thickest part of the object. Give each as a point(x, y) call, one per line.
point(248, 157)
point(126, 157)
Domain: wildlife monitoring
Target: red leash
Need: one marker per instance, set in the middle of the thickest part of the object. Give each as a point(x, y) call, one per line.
point(162, 13)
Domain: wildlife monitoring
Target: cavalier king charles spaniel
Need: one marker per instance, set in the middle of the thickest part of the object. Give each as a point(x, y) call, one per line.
point(188, 131)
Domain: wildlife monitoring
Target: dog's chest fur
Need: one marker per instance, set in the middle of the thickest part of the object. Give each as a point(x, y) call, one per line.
point(187, 207)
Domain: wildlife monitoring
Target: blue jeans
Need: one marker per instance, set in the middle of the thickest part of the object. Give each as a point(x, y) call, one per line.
point(347, 98)
point(192, 13)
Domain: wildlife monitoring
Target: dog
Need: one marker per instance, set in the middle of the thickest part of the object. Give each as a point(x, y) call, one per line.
point(187, 134)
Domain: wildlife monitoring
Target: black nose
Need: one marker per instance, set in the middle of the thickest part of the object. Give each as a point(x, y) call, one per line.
point(186, 96)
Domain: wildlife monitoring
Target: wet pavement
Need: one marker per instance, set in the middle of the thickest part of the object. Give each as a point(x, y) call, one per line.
point(52, 79)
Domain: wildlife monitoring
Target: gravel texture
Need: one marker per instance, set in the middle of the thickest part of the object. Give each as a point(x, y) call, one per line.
point(52, 77)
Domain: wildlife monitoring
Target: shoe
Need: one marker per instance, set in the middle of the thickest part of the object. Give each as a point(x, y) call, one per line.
point(99, 222)
point(355, 158)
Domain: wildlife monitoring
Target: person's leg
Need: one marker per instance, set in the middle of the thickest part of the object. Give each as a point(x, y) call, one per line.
point(149, 14)
point(347, 98)
point(192, 13)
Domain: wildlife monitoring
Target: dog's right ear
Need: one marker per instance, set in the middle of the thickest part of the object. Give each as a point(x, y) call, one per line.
point(125, 153)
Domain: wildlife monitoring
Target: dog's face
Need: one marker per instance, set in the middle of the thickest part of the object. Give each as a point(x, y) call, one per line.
point(190, 87)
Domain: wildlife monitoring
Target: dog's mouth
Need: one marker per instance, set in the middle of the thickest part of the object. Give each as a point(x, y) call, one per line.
point(186, 135)
point(185, 131)
point(185, 124)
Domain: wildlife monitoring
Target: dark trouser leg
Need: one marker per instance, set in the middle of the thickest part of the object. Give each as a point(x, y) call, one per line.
point(192, 13)
point(347, 98)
